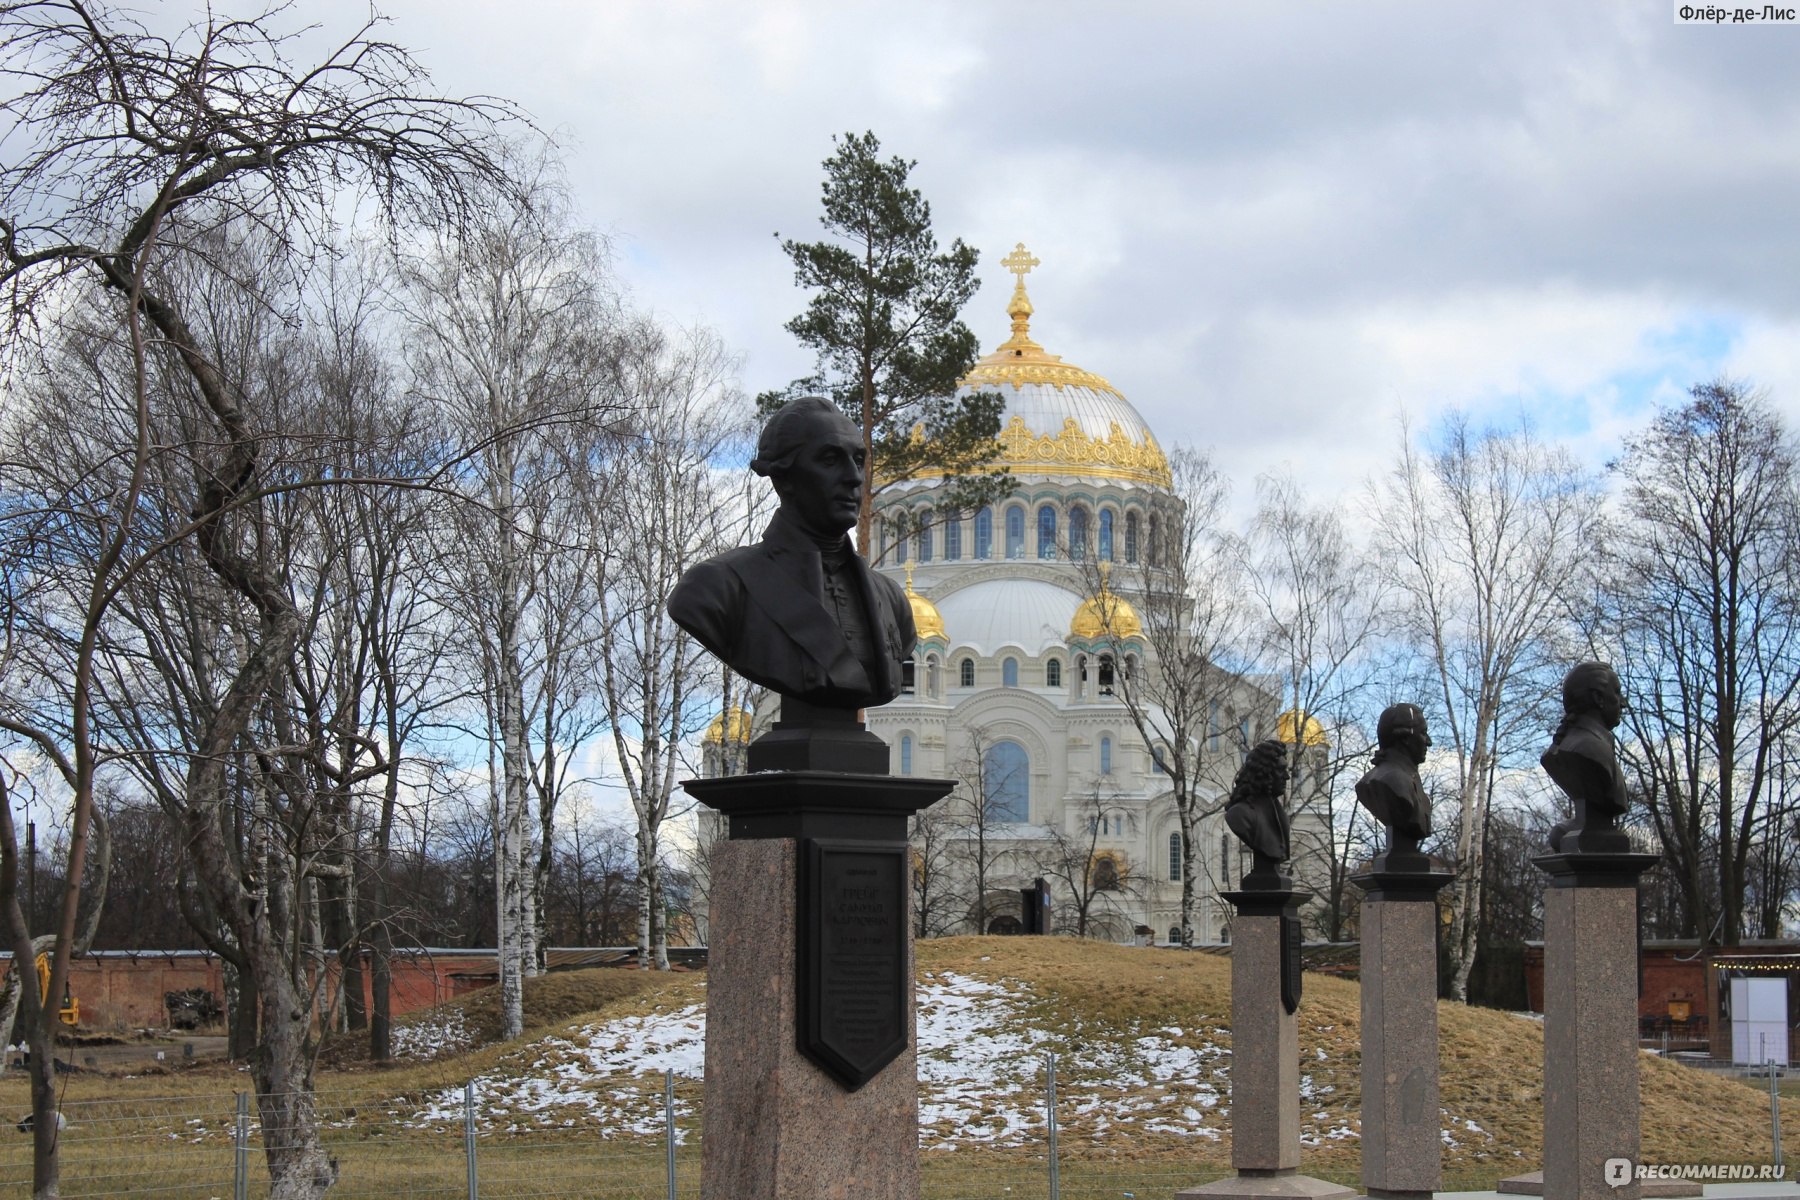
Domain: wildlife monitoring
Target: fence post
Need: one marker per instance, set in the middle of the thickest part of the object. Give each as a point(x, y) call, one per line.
point(469, 1137)
point(240, 1145)
point(1774, 1112)
point(669, 1125)
point(1050, 1124)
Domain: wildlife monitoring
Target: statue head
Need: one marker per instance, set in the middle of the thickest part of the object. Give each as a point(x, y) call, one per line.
point(1264, 773)
point(1402, 727)
point(814, 456)
point(1592, 689)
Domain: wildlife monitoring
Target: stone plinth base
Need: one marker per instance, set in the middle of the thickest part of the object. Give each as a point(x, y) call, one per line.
point(1590, 1022)
point(1532, 1184)
point(777, 1127)
point(1265, 1037)
point(1402, 1149)
point(1267, 1185)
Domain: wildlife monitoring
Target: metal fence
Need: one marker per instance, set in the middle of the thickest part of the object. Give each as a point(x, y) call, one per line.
point(464, 1143)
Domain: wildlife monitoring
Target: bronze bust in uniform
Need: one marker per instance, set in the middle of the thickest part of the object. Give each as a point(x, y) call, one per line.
point(800, 612)
point(1390, 789)
point(1583, 760)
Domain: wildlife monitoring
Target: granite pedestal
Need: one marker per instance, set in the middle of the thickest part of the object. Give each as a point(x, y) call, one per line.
point(1402, 1148)
point(1590, 1022)
point(785, 1117)
point(1265, 1058)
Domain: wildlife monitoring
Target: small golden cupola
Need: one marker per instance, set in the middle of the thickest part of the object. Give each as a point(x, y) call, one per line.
point(735, 724)
point(1106, 614)
point(1311, 732)
point(926, 617)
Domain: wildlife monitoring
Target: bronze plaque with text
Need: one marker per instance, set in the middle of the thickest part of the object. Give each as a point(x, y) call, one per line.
point(853, 985)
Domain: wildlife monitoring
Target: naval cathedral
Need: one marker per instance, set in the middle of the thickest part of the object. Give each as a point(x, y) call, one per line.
point(1026, 620)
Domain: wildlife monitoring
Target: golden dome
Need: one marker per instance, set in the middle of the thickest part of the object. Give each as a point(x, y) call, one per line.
point(926, 617)
point(1314, 733)
point(740, 727)
point(1105, 614)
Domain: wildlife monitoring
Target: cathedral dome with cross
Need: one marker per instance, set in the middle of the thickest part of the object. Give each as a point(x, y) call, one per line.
point(1030, 634)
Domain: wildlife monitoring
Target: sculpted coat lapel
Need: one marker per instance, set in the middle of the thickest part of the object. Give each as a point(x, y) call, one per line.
point(762, 610)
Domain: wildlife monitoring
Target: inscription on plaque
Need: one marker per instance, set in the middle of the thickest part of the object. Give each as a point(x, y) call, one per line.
point(853, 984)
point(1290, 961)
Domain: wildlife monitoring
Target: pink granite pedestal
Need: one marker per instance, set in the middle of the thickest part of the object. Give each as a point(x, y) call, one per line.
point(1265, 1064)
point(1402, 1147)
point(1590, 1022)
point(776, 1126)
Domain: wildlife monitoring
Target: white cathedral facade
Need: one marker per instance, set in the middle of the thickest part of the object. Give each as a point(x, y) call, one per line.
point(1012, 691)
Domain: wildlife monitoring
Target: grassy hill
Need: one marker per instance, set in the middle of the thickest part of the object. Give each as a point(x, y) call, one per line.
point(1142, 1041)
point(1142, 1038)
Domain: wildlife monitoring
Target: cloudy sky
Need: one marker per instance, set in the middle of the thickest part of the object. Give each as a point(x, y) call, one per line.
point(1273, 226)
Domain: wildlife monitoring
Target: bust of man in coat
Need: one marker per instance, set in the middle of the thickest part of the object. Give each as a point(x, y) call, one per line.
point(1583, 761)
point(800, 612)
point(1391, 790)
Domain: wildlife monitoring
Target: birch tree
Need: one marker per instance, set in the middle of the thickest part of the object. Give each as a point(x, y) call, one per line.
point(514, 338)
point(668, 509)
point(1488, 535)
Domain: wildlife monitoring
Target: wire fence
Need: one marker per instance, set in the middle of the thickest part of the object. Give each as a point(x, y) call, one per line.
point(636, 1138)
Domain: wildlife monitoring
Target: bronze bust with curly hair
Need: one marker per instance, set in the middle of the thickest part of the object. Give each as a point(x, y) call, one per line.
point(1257, 815)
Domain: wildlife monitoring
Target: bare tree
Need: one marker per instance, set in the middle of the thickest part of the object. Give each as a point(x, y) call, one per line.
point(1098, 882)
point(1170, 646)
point(1488, 536)
point(1319, 607)
point(127, 145)
point(1705, 594)
point(514, 341)
point(655, 679)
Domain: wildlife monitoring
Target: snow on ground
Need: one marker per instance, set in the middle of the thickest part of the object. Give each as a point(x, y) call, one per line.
point(982, 1048)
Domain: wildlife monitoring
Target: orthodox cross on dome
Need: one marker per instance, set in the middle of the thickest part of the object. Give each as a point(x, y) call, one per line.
point(1019, 262)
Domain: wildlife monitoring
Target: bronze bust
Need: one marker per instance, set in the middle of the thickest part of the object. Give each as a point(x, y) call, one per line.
point(1390, 789)
point(800, 612)
point(1256, 813)
point(1583, 760)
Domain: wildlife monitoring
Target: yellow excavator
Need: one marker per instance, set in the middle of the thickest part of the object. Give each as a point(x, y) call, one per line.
point(70, 1012)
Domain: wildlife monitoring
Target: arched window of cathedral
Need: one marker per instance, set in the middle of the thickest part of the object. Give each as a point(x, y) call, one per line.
point(1015, 532)
point(1225, 857)
point(1080, 676)
point(1105, 754)
point(1046, 522)
point(1175, 857)
point(933, 677)
point(1174, 935)
point(909, 677)
point(1006, 782)
point(953, 539)
point(906, 754)
point(966, 673)
point(1158, 762)
point(1106, 541)
point(1106, 874)
point(922, 536)
point(1009, 672)
point(1155, 548)
point(1131, 537)
point(984, 533)
point(1131, 666)
point(1078, 533)
point(1053, 673)
point(897, 543)
point(1106, 675)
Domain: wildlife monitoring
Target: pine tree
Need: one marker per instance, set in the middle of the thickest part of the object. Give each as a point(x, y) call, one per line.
point(883, 320)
